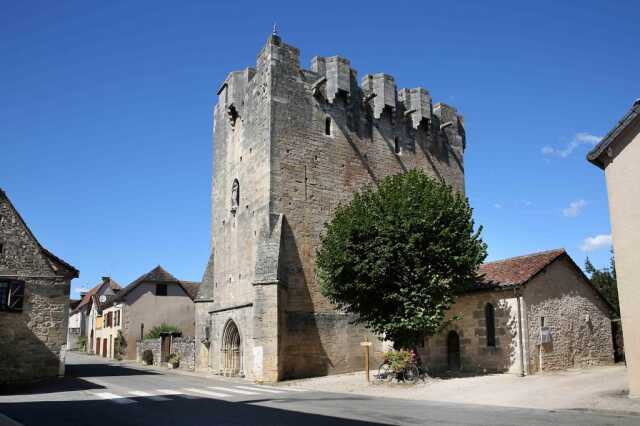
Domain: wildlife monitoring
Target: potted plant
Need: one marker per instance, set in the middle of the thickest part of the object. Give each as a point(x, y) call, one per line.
point(173, 361)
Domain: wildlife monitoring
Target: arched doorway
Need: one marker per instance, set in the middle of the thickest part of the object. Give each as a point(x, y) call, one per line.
point(231, 350)
point(453, 351)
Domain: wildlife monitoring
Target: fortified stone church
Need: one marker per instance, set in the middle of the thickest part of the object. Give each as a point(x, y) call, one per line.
point(289, 145)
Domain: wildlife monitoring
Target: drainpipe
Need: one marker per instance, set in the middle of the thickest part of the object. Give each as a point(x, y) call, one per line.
point(515, 292)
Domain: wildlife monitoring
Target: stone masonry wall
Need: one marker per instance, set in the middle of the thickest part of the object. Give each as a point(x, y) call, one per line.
point(182, 346)
point(475, 355)
point(578, 319)
point(32, 342)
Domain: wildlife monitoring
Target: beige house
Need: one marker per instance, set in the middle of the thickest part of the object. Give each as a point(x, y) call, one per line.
point(34, 303)
point(154, 298)
point(618, 154)
point(530, 313)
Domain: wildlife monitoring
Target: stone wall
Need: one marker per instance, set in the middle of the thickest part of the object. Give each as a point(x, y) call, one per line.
point(475, 355)
point(182, 346)
point(32, 342)
point(577, 318)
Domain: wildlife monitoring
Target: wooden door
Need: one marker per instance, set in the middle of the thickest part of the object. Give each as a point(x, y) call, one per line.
point(165, 348)
point(97, 346)
point(453, 351)
point(104, 347)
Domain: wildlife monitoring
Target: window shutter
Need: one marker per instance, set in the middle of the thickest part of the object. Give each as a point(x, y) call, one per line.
point(16, 296)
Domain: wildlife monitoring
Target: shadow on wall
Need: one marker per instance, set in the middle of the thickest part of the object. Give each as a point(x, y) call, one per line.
point(24, 357)
point(304, 353)
point(177, 410)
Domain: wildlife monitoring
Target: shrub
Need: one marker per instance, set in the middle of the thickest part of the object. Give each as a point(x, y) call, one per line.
point(82, 343)
point(173, 358)
point(398, 359)
point(155, 332)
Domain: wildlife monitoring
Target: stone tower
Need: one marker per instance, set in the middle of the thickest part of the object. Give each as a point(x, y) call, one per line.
point(289, 145)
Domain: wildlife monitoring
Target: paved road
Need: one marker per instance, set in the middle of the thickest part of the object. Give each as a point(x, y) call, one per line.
point(99, 393)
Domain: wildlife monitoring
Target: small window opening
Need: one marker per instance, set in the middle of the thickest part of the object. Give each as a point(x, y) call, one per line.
point(327, 126)
point(490, 318)
point(396, 146)
point(161, 289)
point(233, 115)
point(541, 322)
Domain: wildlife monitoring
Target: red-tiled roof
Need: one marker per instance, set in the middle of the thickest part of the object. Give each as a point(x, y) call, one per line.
point(515, 270)
point(88, 295)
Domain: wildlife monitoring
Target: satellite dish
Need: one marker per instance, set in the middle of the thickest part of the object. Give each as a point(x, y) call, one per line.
point(102, 298)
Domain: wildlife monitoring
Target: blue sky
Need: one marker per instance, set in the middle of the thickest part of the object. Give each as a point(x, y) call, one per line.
point(105, 119)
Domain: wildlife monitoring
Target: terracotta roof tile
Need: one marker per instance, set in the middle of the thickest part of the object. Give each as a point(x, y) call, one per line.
point(515, 270)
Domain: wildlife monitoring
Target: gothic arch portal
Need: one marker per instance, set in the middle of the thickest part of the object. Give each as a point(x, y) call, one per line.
point(231, 350)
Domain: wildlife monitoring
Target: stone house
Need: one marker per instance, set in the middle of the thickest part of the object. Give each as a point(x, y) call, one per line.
point(289, 145)
point(82, 318)
point(154, 298)
point(34, 302)
point(618, 154)
point(530, 313)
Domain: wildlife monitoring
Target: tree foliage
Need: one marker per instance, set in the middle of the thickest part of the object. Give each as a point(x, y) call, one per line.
point(155, 332)
point(396, 255)
point(605, 281)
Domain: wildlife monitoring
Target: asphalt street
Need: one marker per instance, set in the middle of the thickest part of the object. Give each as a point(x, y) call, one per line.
point(96, 392)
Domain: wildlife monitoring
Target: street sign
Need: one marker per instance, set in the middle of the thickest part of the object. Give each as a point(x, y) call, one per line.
point(365, 343)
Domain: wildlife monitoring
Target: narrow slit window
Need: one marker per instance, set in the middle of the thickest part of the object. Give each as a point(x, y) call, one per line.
point(327, 126)
point(490, 319)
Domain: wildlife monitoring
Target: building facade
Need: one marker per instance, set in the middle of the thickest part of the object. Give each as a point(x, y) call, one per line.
point(618, 154)
point(34, 302)
point(289, 145)
point(153, 299)
point(530, 313)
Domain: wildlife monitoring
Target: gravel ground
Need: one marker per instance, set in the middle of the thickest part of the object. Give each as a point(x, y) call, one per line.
point(601, 388)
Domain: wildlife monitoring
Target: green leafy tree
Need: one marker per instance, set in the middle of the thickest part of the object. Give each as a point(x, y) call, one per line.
point(605, 281)
point(155, 332)
point(396, 256)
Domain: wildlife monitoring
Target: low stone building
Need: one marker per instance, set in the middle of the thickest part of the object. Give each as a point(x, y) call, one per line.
point(34, 302)
point(530, 313)
point(152, 299)
point(618, 154)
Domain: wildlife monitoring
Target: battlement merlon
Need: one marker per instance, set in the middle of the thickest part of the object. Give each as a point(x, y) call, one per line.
point(417, 104)
point(234, 89)
point(337, 74)
point(451, 123)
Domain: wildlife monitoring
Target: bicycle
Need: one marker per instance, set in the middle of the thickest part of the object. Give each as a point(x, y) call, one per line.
point(410, 373)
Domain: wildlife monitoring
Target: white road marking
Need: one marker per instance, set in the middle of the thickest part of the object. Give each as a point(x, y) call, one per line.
point(113, 397)
point(283, 388)
point(208, 393)
point(150, 396)
point(241, 392)
point(259, 389)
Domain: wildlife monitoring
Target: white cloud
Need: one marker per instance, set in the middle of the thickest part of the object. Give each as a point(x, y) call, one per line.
point(497, 205)
point(596, 243)
point(579, 139)
point(574, 209)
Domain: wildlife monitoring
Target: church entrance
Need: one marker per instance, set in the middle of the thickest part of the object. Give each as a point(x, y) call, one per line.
point(231, 350)
point(453, 351)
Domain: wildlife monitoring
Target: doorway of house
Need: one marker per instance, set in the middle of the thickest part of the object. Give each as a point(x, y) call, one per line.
point(104, 347)
point(91, 342)
point(231, 350)
point(97, 346)
point(453, 351)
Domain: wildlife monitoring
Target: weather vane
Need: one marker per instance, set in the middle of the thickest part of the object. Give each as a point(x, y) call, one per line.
point(275, 29)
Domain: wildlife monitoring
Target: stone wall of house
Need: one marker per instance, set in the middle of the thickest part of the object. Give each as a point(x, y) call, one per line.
point(270, 134)
point(578, 319)
point(32, 342)
point(475, 354)
point(152, 345)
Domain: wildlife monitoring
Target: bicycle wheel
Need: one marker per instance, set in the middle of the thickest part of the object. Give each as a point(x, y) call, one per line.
point(385, 373)
point(411, 374)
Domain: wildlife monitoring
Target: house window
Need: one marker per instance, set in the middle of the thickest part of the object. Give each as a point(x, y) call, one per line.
point(161, 289)
point(11, 296)
point(490, 320)
point(327, 126)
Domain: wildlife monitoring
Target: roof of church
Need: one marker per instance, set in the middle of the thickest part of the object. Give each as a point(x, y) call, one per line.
point(516, 271)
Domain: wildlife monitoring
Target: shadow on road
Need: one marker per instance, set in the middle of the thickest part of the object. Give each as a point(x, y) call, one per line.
point(66, 384)
point(104, 370)
point(176, 411)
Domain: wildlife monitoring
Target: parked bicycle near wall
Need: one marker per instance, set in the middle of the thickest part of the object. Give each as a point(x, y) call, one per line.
point(409, 371)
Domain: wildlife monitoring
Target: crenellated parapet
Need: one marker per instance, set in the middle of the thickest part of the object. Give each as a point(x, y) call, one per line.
point(233, 91)
point(417, 104)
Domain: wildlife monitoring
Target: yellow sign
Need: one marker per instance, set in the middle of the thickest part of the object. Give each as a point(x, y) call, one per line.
point(365, 343)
